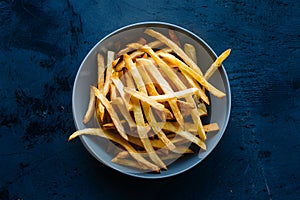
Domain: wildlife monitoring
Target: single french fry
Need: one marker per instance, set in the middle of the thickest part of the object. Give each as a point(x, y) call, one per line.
point(175, 95)
point(155, 44)
point(174, 37)
point(165, 50)
point(111, 112)
point(129, 163)
point(211, 127)
point(190, 51)
point(134, 46)
point(216, 64)
point(91, 107)
point(181, 149)
point(207, 128)
point(101, 70)
point(122, 154)
point(113, 91)
point(109, 71)
point(116, 138)
point(100, 84)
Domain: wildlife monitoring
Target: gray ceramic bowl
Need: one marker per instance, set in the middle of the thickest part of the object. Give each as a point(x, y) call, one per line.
point(219, 109)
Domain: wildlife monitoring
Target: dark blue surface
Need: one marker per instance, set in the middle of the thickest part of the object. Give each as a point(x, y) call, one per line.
point(42, 44)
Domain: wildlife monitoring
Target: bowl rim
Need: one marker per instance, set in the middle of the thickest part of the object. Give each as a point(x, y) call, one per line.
point(209, 51)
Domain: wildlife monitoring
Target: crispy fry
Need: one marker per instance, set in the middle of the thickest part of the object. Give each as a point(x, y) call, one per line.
point(113, 91)
point(134, 46)
point(101, 70)
point(174, 38)
point(101, 79)
point(211, 127)
point(177, 95)
point(116, 138)
point(190, 52)
point(218, 62)
point(129, 163)
point(155, 44)
point(181, 149)
point(109, 71)
point(207, 128)
point(91, 107)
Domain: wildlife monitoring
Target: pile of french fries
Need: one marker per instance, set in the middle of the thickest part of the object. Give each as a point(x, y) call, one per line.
point(149, 101)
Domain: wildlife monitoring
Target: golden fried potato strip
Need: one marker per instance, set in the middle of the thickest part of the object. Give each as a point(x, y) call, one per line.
point(91, 107)
point(116, 138)
point(218, 62)
point(109, 71)
point(190, 51)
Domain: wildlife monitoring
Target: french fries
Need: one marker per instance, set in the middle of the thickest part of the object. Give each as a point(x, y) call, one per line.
point(150, 99)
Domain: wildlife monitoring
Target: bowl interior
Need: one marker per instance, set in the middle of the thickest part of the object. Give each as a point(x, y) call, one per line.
point(219, 110)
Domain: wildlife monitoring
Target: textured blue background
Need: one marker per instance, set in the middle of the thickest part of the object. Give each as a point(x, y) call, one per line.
point(42, 44)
